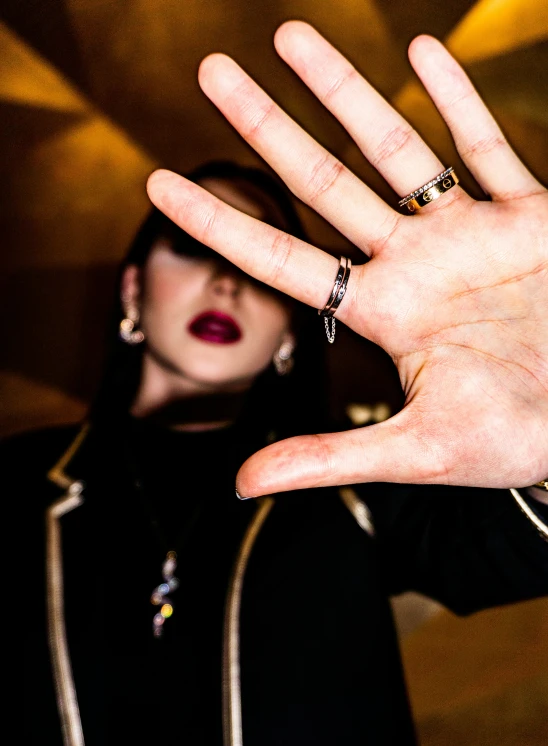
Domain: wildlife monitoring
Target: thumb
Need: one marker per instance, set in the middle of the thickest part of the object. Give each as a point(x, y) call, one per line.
point(387, 452)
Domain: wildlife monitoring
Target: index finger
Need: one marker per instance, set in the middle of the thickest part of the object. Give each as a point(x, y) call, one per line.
point(276, 258)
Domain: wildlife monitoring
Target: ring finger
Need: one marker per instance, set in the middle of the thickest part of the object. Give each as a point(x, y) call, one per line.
point(388, 142)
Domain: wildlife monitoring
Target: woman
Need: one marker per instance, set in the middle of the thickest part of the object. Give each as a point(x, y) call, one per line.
point(170, 610)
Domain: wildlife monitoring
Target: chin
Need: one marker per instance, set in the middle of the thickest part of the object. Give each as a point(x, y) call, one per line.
point(221, 365)
point(215, 378)
point(217, 368)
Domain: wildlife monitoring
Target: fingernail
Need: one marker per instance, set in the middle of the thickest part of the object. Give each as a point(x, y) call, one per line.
point(240, 497)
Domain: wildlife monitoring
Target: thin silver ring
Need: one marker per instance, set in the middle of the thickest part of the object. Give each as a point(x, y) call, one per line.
point(339, 288)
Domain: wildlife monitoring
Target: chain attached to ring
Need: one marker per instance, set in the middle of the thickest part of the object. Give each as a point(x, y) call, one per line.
point(335, 297)
point(330, 328)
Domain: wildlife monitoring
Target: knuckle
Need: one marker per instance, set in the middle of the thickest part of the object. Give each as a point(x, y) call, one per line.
point(199, 215)
point(325, 457)
point(253, 115)
point(463, 94)
point(207, 223)
point(482, 145)
point(280, 251)
point(392, 143)
point(324, 175)
point(350, 74)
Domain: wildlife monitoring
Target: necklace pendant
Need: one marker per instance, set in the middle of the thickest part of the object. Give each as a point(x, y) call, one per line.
point(160, 595)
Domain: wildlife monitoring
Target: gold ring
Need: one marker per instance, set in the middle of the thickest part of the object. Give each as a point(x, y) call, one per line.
point(430, 191)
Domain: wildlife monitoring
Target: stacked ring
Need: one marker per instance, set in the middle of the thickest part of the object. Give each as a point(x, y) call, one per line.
point(335, 298)
point(430, 191)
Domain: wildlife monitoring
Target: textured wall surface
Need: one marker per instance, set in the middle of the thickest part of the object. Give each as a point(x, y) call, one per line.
point(95, 95)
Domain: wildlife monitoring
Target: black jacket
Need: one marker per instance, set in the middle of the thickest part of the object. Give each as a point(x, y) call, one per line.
point(310, 649)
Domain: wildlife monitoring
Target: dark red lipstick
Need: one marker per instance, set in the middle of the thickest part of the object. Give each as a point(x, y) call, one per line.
point(216, 327)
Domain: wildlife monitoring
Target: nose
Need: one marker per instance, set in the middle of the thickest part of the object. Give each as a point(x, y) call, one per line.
point(225, 282)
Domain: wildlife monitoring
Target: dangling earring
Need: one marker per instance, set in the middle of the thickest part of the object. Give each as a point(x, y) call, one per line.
point(283, 360)
point(128, 332)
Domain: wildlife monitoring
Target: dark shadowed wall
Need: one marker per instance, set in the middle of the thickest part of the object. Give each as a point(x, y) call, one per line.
point(94, 95)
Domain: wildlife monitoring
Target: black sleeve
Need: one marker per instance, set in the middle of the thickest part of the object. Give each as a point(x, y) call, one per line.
point(467, 548)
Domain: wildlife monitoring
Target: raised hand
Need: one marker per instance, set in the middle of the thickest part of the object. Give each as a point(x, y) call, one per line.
point(456, 293)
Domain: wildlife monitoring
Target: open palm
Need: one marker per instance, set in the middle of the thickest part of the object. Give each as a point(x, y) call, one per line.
point(456, 294)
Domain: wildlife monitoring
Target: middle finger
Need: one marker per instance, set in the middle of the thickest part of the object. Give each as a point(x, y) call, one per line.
point(309, 170)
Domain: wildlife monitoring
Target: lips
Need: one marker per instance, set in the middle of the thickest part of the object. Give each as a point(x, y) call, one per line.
point(216, 327)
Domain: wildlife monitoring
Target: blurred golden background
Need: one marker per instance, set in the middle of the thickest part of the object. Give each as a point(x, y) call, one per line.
point(95, 95)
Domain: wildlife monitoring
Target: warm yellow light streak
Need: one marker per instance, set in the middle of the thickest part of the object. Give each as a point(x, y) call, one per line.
point(490, 29)
point(26, 78)
point(495, 27)
point(90, 162)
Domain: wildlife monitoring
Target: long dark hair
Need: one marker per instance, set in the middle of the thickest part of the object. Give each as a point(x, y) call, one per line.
point(283, 405)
